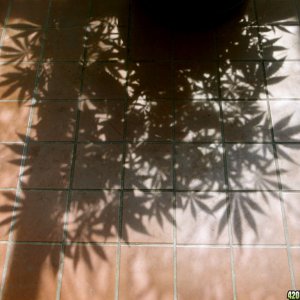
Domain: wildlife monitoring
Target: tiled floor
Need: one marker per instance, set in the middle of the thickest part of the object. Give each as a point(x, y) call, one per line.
point(140, 161)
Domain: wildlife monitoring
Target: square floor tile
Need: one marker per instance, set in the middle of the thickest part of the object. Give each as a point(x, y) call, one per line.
point(98, 166)
point(7, 203)
point(13, 121)
point(17, 81)
point(93, 216)
point(196, 80)
point(291, 204)
point(40, 216)
point(82, 275)
point(149, 120)
point(146, 271)
point(253, 268)
point(32, 272)
point(242, 80)
point(199, 167)
point(283, 79)
point(211, 265)
point(47, 166)
point(53, 121)
point(256, 218)
point(289, 166)
point(3, 249)
point(60, 81)
point(147, 217)
point(201, 218)
point(296, 263)
point(197, 121)
point(285, 117)
point(19, 45)
point(10, 162)
point(148, 166)
point(246, 121)
point(101, 121)
point(251, 167)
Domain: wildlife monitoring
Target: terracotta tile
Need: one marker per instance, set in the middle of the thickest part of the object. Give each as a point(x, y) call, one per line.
point(98, 166)
point(93, 216)
point(147, 217)
point(253, 268)
point(2, 258)
point(291, 204)
point(211, 265)
point(53, 121)
point(7, 202)
point(196, 80)
point(150, 81)
point(148, 166)
point(285, 117)
point(242, 80)
point(289, 166)
point(17, 81)
point(60, 81)
point(21, 45)
point(251, 166)
point(197, 121)
point(13, 121)
point(10, 162)
point(101, 121)
point(246, 121)
point(201, 218)
point(280, 42)
point(283, 79)
point(47, 166)
point(83, 273)
point(146, 272)
point(149, 120)
point(4, 4)
point(256, 218)
point(30, 13)
point(199, 167)
point(68, 13)
point(32, 272)
point(105, 81)
point(64, 44)
point(296, 263)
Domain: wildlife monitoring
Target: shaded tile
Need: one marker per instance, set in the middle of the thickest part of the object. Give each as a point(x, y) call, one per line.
point(148, 166)
point(199, 167)
point(146, 272)
point(296, 263)
point(246, 121)
point(242, 80)
point(280, 42)
point(256, 218)
point(285, 117)
point(98, 166)
point(291, 204)
point(84, 268)
point(149, 120)
point(211, 265)
point(201, 218)
point(40, 216)
point(13, 121)
point(289, 166)
point(197, 121)
point(251, 167)
point(3, 249)
point(4, 4)
point(21, 45)
point(147, 217)
point(101, 121)
point(32, 272)
point(7, 202)
point(93, 216)
point(10, 162)
point(47, 166)
point(283, 79)
point(196, 80)
point(253, 268)
point(53, 121)
point(17, 81)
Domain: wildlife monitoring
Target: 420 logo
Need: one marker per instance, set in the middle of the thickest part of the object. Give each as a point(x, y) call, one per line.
point(293, 295)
